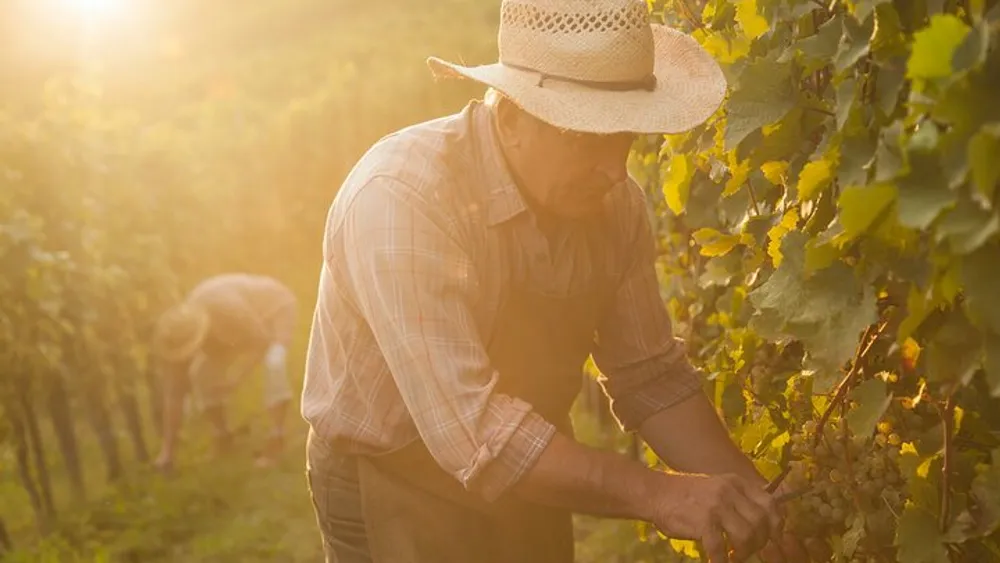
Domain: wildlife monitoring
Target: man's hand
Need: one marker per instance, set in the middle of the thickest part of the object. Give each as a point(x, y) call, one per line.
point(728, 514)
point(790, 548)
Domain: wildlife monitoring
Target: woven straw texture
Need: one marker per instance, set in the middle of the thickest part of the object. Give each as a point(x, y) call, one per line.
point(544, 45)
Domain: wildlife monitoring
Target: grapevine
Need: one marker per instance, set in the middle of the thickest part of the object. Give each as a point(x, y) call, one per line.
point(828, 246)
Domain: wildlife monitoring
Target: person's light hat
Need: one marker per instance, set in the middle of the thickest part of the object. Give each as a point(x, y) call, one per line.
point(180, 332)
point(598, 66)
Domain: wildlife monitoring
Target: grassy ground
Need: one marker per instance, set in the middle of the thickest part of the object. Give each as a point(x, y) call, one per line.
point(222, 509)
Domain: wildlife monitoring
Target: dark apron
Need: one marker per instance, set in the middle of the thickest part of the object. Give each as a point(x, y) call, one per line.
point(417, 513)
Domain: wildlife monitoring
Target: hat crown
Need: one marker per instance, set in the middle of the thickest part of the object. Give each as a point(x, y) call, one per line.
point(591, 40)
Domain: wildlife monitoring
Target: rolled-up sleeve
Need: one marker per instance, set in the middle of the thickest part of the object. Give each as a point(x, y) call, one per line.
point(413, 281)
point(645, 367)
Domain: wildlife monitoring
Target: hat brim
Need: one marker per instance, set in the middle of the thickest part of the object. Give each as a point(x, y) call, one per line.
point(185, 351)
point(690, 87)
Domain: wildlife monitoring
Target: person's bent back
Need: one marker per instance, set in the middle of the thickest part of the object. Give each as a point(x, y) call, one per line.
point(233, 319)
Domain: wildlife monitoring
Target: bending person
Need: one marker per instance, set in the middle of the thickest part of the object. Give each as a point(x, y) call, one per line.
point(206, 345)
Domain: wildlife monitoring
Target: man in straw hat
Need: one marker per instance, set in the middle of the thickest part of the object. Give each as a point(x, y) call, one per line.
point(472, 263)
point(228, 324)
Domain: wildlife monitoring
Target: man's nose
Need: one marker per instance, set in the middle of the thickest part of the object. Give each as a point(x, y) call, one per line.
point(614, 171)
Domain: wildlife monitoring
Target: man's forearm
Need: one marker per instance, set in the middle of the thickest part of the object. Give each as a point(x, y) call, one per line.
point(690, 437)
point(582, 479)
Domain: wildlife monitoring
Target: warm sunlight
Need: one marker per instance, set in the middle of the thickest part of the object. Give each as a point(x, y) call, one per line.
point(93, 11)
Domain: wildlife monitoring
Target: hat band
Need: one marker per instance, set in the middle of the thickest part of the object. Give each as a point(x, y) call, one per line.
point(647, 82)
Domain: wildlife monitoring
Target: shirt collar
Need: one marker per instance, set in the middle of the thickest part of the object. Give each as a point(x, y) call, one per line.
point(504, 200)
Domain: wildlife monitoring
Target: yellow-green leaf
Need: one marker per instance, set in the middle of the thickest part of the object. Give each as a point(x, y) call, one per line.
point(775, 171)
point(860, 205)
point(778, 232)
point(714, 243)
point(820, 256)
point(984, 147)
point(814, 178)
point(677, 184)
point(725, 49)
point(739, 172)
point(934, 46)
point(685, 547)
point(754, 25)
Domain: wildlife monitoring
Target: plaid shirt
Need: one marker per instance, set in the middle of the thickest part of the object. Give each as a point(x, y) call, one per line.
point(422, 240)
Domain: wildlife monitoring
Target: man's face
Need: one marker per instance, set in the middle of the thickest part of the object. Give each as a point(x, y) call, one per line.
point(572, 172)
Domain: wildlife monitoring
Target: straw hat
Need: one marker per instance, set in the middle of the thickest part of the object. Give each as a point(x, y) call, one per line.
point(180, 332)
point(598, 66)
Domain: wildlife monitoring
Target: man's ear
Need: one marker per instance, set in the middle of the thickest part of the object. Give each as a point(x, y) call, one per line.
point(508, 118)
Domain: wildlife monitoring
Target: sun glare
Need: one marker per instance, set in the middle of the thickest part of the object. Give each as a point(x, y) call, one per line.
point(94, 10)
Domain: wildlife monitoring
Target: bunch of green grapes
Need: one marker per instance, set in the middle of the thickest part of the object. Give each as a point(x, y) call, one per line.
point(800, 407)
point(843, 477)
point(762, 370)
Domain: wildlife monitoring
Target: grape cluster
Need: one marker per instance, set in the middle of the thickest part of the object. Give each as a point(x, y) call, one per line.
point(762, 370)
point(843, 478)
point(800, 400)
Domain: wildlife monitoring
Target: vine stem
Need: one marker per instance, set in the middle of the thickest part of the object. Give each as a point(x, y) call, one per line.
point(948, 421)
point(819, 110)
point(753, 199)
point(839, 396)
point(845, 441)
point(689, 14)
point(864, 345)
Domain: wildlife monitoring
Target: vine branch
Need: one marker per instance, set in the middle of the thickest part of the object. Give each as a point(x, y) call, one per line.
point(689, 14)
point(753, 198)
point(819, 110)
point(864, 345)
point(948, 421)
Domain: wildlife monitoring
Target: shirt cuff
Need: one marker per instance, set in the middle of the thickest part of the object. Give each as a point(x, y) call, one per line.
point(518, 456)
point(672, 383)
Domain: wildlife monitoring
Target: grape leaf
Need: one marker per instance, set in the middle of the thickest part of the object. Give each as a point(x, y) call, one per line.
point(836, 338)
point(765, 95)
point(934, 46)
point(923, 193)
point(986, 494)
point(725, 48)
point(864, 8)
point(739, 172)
point(856, 155)
point(854, 43)
point(827, 311)
point(754, 25)
point(821, 256)
point(888, 158)
point(814, 178)
point(819, 48)
point(677, 182)
point(872, 399)
point(891, 77)
point(889, 40)
point(781, 139)
point(980, 272)
point(860, 205)
point(967, 226)
point(983, 150)
point(714, 243)
point(720, 269)
point(846, 91)
point(973, 49)
point(991, 363)
point(854, 534)
point(788, 222)
point(918, 538)
point(953, 353)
